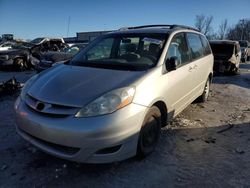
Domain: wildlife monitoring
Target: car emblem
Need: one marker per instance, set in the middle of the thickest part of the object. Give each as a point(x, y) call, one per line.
point(40, 106)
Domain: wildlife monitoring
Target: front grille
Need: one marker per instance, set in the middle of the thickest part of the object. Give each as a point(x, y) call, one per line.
point(49, 109)
point(47, 114)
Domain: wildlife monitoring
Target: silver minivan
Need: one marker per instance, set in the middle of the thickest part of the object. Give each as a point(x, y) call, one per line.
point(110, 101)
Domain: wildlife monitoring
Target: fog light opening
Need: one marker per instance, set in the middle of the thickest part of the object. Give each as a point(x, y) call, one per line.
point(109, 150)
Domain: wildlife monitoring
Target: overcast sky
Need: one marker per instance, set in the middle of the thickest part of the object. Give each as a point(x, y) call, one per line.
point(29, 19)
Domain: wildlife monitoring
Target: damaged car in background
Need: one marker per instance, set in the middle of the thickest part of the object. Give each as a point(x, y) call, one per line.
point(18, 57)
point(49, 44)
point(50, 58)
point(25, 55)
point(227, 56)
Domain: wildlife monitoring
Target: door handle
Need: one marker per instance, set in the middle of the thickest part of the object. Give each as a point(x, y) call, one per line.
point(190, 69)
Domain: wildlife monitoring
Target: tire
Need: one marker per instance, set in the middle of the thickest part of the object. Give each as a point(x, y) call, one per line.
point(150, 132)
point(234, 69)
point(20, 64)
point(203, 98)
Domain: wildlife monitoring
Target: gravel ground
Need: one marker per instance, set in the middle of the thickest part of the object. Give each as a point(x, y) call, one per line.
point(207, 145)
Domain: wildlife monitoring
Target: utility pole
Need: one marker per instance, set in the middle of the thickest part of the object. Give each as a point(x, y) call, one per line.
point(68, 27)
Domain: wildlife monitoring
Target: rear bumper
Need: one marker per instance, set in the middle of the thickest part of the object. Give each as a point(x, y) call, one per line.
point(81, 139)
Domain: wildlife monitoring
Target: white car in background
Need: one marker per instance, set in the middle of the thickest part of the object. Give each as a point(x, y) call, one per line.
point(245, 50)
point(6, 46)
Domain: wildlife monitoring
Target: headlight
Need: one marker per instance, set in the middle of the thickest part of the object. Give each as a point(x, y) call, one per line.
point(27, 86)
point(108, 103)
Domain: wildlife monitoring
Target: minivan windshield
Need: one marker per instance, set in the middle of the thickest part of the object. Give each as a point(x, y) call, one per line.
point(123, 52)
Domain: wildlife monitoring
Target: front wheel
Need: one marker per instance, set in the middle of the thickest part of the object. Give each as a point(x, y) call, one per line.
point(234, 69)
point(150, 132)
point(20, 64)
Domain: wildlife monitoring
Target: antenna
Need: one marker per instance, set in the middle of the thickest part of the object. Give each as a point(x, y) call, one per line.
point(68, 27)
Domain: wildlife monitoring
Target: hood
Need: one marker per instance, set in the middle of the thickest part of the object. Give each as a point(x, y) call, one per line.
point(57, 56)
point(77, 86)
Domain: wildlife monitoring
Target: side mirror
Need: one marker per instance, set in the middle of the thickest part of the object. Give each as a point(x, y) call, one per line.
point(172, 63)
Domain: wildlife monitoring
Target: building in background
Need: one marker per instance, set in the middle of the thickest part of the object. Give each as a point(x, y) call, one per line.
point(84, 37)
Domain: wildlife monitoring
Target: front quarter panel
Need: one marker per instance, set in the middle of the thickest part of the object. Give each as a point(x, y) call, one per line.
point(148, 88)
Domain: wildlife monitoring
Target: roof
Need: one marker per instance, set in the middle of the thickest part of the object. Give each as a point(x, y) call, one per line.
point(161, 29)
point(223, 42)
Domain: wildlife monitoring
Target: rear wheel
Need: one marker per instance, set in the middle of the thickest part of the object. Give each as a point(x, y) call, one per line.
point(205, 94)
point(150, 132)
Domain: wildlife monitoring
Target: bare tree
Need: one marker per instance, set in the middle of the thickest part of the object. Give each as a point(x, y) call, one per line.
point(241, 31)
point(199, 22)
point(203, 23)
point(223, 28)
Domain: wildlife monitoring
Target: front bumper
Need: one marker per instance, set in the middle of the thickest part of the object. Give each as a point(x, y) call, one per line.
point(81, 139)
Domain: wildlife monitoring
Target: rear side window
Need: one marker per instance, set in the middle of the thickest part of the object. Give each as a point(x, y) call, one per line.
point(195, 45)
point(178, 48)
point(206, 46)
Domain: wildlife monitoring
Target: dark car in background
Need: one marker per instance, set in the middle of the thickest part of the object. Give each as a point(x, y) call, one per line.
point(18, 56)
point(52, 57)
point(227, 56)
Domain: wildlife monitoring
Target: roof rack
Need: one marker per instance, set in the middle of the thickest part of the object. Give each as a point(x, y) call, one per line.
point(160, 25)
point(185, 27)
